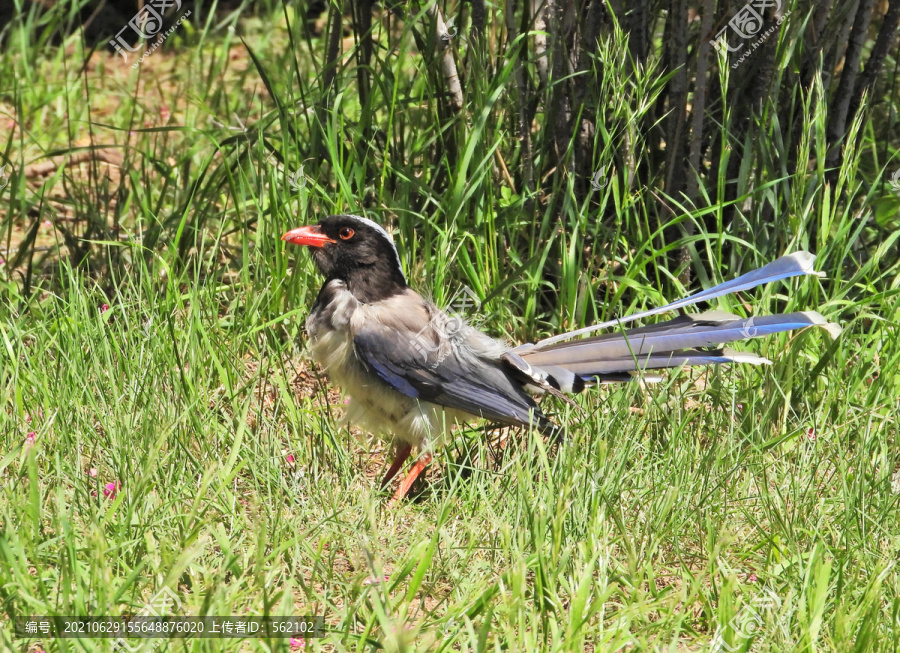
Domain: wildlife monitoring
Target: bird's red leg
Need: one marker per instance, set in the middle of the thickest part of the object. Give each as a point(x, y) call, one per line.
point(400, 456)
point(417, 469)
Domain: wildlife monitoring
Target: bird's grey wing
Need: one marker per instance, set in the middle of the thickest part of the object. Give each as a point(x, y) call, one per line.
point(426, 365)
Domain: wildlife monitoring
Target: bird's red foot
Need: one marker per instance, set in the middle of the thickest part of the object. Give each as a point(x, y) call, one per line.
point(414, 473)
point(400, 455)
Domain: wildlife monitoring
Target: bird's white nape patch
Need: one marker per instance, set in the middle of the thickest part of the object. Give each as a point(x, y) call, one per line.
point(377, 227)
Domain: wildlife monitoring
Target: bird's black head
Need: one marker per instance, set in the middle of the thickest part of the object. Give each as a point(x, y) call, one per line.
point(356, 251)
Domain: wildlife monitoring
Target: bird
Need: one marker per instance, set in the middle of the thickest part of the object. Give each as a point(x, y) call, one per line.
point(411, 370)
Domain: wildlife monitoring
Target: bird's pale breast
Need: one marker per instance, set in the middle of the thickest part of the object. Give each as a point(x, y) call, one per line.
point(375, 406)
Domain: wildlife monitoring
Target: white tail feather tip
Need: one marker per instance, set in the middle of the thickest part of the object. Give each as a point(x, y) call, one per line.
point(833, 330)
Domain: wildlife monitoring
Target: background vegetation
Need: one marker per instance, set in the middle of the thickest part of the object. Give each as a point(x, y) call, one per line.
point(567, 162)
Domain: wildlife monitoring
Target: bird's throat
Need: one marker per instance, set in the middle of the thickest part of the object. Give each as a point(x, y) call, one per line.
point(373, 284)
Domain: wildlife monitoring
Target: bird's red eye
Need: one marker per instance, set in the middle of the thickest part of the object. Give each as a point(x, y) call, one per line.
point(346, 233)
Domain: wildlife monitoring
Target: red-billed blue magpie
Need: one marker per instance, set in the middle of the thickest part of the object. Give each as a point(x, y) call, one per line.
point(412, 370)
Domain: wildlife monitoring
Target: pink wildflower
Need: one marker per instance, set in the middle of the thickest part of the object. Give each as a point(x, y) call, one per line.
point(104, 308)
point(290, 458)
point(112, 489)
point(30, 440)
point(296, 642)
point(93, 472)
point(751, 578)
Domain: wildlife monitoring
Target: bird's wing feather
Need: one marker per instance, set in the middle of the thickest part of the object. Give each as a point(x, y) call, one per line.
point(426, 365)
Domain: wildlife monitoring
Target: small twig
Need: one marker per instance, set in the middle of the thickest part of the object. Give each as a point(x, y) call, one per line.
point(49, 167)
point(504, 170)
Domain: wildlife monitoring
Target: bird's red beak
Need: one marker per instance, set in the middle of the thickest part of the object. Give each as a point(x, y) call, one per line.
point(311, 236)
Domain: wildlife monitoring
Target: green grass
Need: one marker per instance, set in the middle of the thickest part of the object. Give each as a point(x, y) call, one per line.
point(664, 518)
point(643, 526)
